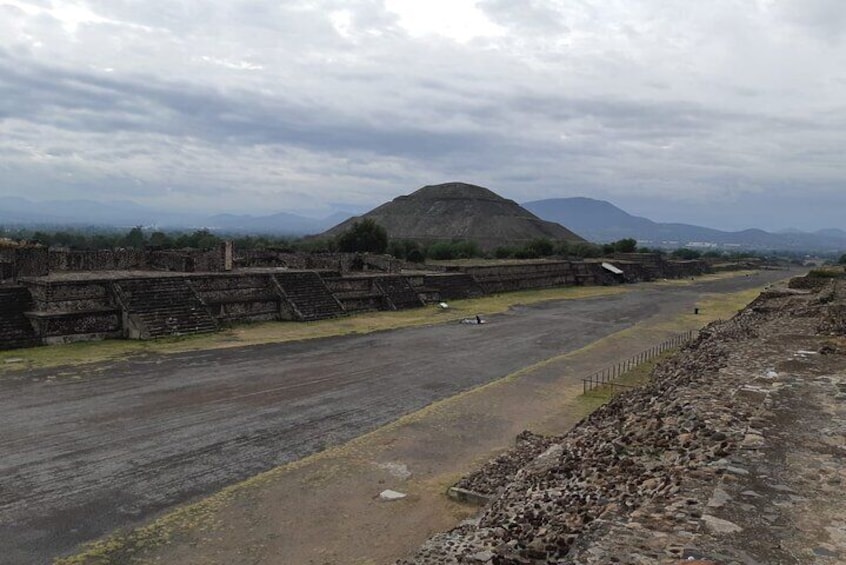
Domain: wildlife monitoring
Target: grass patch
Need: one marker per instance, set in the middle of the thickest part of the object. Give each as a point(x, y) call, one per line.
point(279, 332)
point(635, 377)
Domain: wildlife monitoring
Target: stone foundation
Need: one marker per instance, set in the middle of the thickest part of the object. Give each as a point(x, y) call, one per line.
point(146, 304)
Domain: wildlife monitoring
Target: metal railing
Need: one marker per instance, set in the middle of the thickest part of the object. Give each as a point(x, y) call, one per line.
point(608, 375)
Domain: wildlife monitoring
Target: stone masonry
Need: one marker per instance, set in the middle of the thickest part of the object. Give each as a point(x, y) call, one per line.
point(734, 453)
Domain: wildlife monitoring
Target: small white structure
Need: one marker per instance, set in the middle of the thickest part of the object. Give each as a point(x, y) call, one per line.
point(611, 268)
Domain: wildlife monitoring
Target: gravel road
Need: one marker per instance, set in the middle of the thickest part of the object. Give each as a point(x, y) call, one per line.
point(87, 450)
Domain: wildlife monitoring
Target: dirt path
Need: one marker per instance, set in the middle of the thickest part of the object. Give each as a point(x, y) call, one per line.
point(90, 449)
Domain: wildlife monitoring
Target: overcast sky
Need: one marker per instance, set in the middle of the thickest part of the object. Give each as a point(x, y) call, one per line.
point(725, 113)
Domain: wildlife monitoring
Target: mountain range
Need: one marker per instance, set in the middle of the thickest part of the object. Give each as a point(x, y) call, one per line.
point(15, 212)
point(595, 220)
point(601, 221)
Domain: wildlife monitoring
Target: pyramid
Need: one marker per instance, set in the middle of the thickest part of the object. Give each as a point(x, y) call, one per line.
point(459, 211)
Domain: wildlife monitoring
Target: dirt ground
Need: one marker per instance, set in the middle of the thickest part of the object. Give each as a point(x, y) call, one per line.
point(92, 448)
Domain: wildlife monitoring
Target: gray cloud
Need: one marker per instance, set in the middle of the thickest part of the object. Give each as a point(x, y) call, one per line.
point(231, 105)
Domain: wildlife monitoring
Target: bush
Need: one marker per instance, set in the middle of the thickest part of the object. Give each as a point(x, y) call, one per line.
point(365, 236)
point(407, 250)
point(541, 247)
point(443, 250)
point(686, 254)
point(504, 252)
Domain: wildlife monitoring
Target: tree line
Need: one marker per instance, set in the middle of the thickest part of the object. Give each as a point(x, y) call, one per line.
point(365, 236)
point(139, 238)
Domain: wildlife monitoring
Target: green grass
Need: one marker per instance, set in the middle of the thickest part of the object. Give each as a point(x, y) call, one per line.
point(635, 377)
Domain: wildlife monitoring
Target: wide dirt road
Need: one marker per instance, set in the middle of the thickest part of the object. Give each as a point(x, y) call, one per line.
point(87, 450)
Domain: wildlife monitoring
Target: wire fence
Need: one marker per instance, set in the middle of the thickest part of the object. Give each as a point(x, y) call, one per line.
point(607, 376)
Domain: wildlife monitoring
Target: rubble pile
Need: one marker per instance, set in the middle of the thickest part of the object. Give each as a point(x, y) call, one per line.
point(635, 481)
point(498, 472)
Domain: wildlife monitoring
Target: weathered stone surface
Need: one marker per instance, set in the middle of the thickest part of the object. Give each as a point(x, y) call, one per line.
point(631, 483)
point(720, 526)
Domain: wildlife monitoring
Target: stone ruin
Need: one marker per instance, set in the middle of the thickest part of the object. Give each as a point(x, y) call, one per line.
point(732, 453)
point(56, 296)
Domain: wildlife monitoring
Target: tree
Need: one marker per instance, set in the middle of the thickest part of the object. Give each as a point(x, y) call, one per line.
point(842, 259)
point(365, 236)
point(627, 245)
point(160, 240)
point(541, 247)
point(686, 254)
point(134, 238)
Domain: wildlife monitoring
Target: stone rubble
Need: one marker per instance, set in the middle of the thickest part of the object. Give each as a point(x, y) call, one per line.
point(696, 465)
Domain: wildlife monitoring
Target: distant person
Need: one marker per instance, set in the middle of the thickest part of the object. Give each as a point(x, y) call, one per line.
point(478, 319)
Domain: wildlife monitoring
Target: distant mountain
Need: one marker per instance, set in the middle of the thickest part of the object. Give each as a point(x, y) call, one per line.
point(459, 211)
point(836, 233)
point(281, 223)
point(601, 221)
point(121, 214)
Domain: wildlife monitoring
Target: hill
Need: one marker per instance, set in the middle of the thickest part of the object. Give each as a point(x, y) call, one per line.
point(459, 211)
point(601, 221)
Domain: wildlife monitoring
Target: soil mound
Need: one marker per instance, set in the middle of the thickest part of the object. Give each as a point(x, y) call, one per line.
point(459, 211)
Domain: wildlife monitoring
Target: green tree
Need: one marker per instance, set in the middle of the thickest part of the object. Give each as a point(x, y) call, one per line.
point(686, 254)
point(842, 259)
point(441, 250)
point(504, 252)
point(160, 240)
point(627, 245)
point(541, 247)
point(585, 250)
point(365, 236)
point(134, 238)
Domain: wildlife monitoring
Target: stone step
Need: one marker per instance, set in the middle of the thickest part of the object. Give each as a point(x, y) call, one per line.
point(309, 295)
point(15, 329)
point(165, 307)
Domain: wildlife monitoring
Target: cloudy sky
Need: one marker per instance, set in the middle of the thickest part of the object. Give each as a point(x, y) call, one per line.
point(726, 113)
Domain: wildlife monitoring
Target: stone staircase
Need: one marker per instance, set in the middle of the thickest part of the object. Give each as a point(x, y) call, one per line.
point(308, 295)
point(159, 307)
point(15, 329)
point(398, 293)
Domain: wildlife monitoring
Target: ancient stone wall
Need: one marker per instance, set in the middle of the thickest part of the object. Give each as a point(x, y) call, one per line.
point(32, 261)
point(685, 269)
point(522, 276)
point(188, 261)
point(447, 286)
point(65, 311)
point(356, 293)
point(73, 307)
point(239, 297)
point(8, 265)
point(340, 262)
point(15, 329)
point(63, 260)
point(655, 266)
